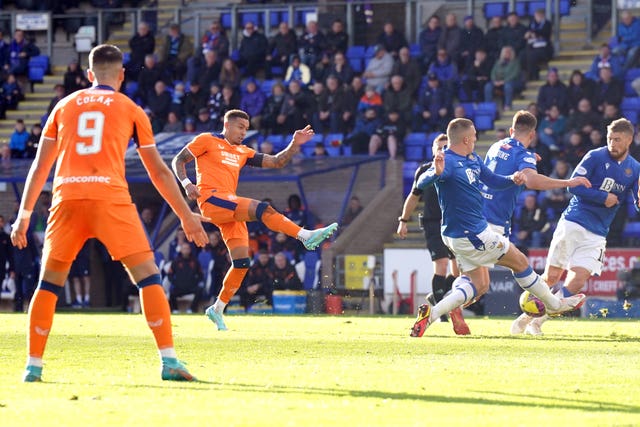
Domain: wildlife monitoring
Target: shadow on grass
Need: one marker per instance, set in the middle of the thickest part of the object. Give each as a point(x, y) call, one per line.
point(585, 338)
point(531, 401)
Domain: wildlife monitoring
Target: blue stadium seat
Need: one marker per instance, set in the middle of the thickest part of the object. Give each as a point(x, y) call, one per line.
point(225, 20)
point(126, 57)
point(369, 53)
point(333, 139)
point(487, 108)
point(278, 141)
point(309, 146)
point(333, 151)
point(484, 121)
point(275, 18)
point(469, 109)
point(521, 8)
point(535, 5)
point(415, 50)
point(301, 16)
point(266, 86)
point(565, 7)
point(346, 150)
point(631, 230)
point(256, 17)
point(355, 51)
point(414, 153)
point(492, 9)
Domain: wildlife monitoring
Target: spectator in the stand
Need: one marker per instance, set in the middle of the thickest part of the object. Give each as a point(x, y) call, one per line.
point(628, 38)
point(341, 68)
point(189, 124)
point(597, 139)
point(281, 47)
point(513, 35)
point(634, 149)
point(298, 213)
point(271, 110)
point(26, 271)
point(258, 283)
point(337, 38)
point(557, 199)
point(253, 50)
point(552, 127)
point(20, 51)
point(298, 71)
point(287, 245)
point(506, 76)
point(353, 210)
point(294, 112)
point(583, 120)
point(177, 100)
point(143, 43)
point(428, 40)
point(229, 74)
point(539, 48)
point(147, 78)
point(450, 37)
point(575, 149)
point(353, 93)
point(173, 123)
point(59, 93)
point(18, 140)
point(494, 38)
point(312, 44)
point(285, 277)
point(579, 87)
point(409, 69)
point(33, 141)
point(74, 78)
point(532, 223)
point(5, 55)
point(210, 72)
point(221, 262)
point(230, 99)
point(544, 165)
point(389, 136)
point(378, 70)
point(553, 92)
point(11, 93)
point(194, 100)
point(80, 277)
point(321, 69)
point(392, 39)
point(252, 102)
point(433, 106)
point(398, 100)
point(609, 90)
point(203, 122)
point(606, 58)
point(186, 277)
point(158, 106)
point(471, 39)
point(174, 51)
point(366, 125)
point(216, 39)
point(533, 109)
point(148, 220)
point(476, 76)
point(319, 151)
point(334, 105)
point(445, 68)
point(610, 113)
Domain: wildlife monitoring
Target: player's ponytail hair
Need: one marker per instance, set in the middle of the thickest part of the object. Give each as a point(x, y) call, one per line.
point(621, 126)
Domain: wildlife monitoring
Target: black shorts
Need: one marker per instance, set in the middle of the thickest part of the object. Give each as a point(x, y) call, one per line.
point(436, 246)
point(80, 267)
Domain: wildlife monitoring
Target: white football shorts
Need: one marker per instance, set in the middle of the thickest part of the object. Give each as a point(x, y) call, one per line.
point(573, 245)
point(482, 250)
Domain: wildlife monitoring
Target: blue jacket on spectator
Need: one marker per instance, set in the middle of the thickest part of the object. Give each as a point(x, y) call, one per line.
point(253, 102)
point(615, 63)
point(446, 71)
point(19, 140)
point(629, 35)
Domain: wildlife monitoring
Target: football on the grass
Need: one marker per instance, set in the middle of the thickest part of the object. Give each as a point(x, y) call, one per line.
point(531, 305)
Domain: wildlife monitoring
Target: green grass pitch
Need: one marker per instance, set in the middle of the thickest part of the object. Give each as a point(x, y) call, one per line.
point(103, 370)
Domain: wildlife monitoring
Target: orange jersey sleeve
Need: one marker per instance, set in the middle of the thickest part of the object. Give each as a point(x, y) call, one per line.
point(92, 129)
point(218, 163)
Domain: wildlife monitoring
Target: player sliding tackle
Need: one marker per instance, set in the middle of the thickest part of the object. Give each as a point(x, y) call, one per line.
point(458, 174)
point(219, 159)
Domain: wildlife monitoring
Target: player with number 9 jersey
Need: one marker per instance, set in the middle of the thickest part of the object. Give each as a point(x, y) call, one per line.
point(92, 131)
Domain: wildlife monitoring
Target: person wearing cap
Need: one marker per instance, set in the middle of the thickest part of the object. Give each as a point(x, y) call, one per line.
point(379, 68)
point(553, 92)
point(471, 39)
point(203, 122)
point(433, 106)
point(392, 39)
point(189, 124)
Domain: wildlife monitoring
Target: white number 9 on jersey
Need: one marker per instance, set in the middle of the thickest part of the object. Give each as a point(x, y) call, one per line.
point(90, 125)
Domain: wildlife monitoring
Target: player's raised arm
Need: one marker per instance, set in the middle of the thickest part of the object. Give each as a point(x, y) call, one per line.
point(535, 181)
point(283, 158)
point(163, 180)
point(178, 164)
point(37, 176)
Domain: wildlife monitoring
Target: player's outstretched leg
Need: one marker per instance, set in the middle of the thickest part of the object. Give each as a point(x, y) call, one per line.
point(312, 238)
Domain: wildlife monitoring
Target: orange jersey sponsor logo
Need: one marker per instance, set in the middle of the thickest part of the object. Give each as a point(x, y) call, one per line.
point(92, 129)
point(218, 163)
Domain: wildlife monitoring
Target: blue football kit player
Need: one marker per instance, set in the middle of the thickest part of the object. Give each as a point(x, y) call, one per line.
point(508, 156)
point(579, 241)
point(458, 174)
